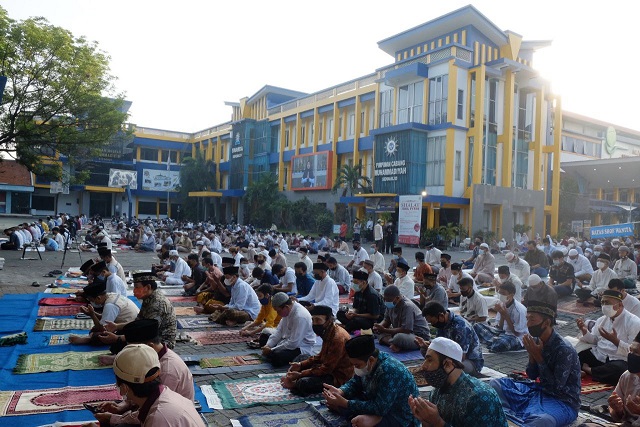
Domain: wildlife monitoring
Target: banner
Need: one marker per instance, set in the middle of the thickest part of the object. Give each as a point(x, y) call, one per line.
point(160, 180)
point(122, 178)
point(614, 230)
point(409, 219)
point(380, 204)
point(311, 171)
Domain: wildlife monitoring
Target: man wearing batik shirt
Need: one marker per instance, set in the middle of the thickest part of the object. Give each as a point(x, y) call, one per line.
point(624, 402)
point(458, 398)
point(510, 323)
point(552, 398)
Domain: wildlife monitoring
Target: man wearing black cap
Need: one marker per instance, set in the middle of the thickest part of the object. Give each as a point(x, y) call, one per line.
point(113, 265)
point(368, 305)
point(378, 394)
point(242, 307)
point(611, 336)
point(324, 291)
point(115, 308)
point(403, 281)
point(114, 283)
point(397, 258)
point(554, 398)
point(330, 366)
point(403, 322)
point(599, 281)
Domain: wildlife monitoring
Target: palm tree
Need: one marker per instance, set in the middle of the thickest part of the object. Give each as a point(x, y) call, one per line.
point(196, 174)
point(351, 179)
point(263, 202)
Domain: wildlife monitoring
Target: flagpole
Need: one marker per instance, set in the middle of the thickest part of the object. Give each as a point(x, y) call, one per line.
point(168, 188)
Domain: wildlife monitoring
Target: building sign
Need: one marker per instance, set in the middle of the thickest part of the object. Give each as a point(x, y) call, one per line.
point(614, 230)
point(400, 162)
point(391, 168)
point(409, 219)
point(122, 178)
point(311, 171)
point(160, 180)
point(576, 226)
point(237, 156)
point(380, 204)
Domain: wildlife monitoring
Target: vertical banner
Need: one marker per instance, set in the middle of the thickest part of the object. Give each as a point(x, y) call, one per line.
point(409, 218)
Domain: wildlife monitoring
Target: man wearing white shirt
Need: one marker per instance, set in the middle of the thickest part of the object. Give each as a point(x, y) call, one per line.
point(582, 268)
point(374, 280)
point(324, 291)
point(377, 259)
point(217, 259)
point(360, 255)
point(626, 268)
point(599, 281)
point(339, 274)
point(181, 269)
point(377, 233)
point(473, 306)
point(452, 287)
point(611, 335)
point(505, 275)
point(287, 276)
point(630, 303)
point(432, 257)
point(304, 257)
point(518, 266)
point(115, 285)
point(404, 282)
point(244, 304)
point(58, 238)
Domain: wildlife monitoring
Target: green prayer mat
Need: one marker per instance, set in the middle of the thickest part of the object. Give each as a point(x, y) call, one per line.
point(62, 324)
point(219, 362)
point(13, 339)
point(55, 362)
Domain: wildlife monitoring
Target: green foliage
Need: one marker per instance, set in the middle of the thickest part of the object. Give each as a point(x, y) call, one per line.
point(196, 174)
point(324, 222)
point(59, 95)
point(487, 236)
point(448, 232)
point(264, 204)
point(350, 180)
point(521, 228)
point(430, 235)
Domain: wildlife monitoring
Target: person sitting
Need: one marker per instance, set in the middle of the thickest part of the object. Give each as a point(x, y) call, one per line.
point(368, 305)
point(261, 276)
point(473, 306)
point(505, 275)
point(536, 259)
point(213, 291)
point(115, 308)
point(402, 322)
point(403, 282)
point(611, 336)
point(538, 290)
point(444, 274)
point(243, 305)
point(485, 266)
point(293, 336)
point(432, 256)
point(561, 275)
point(421, 269)
point(112, 263)
point(304, 257)
point(331, 366)
point(181, 269)
point(339, 274)
point(303, 281)
point(468, 263)
point(194, 282)
point(378, 393)
point(552, 397)
point(624, 402)
point(324, 291)
point(390, 277)
point(453, 286)
point(360, 255)
point(432, 291)
point(598, 283)
point(519, 267)
point(582, 268)
point(454, 327)
point(458, 398)
point(374, 280)
point(267, 317)
point(114, 283)
point(50, 245)
point(626, 268)
point(630, 303)
point(148, 244)
point(511, 323)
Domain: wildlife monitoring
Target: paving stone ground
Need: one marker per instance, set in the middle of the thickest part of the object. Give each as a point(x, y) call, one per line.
point(18, 275)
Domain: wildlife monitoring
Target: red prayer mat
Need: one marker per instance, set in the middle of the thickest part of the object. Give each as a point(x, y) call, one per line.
point(59, 301)
point(60, 310)
point(30, 402)
point(588, 386)
point(218, 337)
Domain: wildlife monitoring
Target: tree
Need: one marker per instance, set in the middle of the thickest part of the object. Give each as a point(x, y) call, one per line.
point(59, 97)
point(350, 179)
point(263, 201)
point(448, 232)
point(196, 174)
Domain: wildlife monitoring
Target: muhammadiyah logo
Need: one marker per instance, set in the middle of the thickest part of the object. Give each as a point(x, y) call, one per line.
point(391, 147)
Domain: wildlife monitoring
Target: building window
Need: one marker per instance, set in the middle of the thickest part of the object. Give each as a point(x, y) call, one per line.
point(320, 130)
point(435, 161)
point(470, 161)
point(43, 203)
point(386, 108)
point(330, 130)
point(362, 123)
point(147, 208)
point(458, 166)
point(286, 177)
point(472, 102)
point(340, 128)
point(174, 156)
point(149, 154)
point(520, 156)
point(286, 138)
point(303, 136)
point(351, 125)
point(460, 104)
point(410, 102)
point(438, 89)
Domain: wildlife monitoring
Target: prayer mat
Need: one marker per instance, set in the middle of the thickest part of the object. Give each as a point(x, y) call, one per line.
point(345, 300)
point(330, 418)
point(304, 417)
point(488, 292)
point(256, 391)
point(29, 402)
point(184, 311)
point(572, 307)
point(61, 339)
point(60, 310)
point(55, 362)
point(218, 337)
point(196, 322)
point(404, 356)
point(61, 290)
point(13, 339)
point(59, 301)
point(172, 292)
point(417, 376)
point(219, 362)
point(182, 299)
point(62, 324)
point(588, 386)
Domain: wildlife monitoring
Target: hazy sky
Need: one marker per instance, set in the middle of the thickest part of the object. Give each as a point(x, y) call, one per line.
point(179, 61)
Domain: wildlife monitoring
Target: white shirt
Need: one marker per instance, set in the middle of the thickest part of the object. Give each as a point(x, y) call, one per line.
point(581, 265)
point(626, 269)
point(182, 269)
point(406, 286)
point(238, 257)
point(433, 256)
point(217, 259)
point(294, 331)
point(627, 327)
point(244, 298)
point(340, 275)
point(324, 292)
point(522, 269)
point(378, 261)
point(475, 305)
point(115, 268)
point(107, 240)
point(59, 241)
point(289, 277)
point(375, 281)
point(115, 285)
point(631, 304)
point(377, 232)
point(453, 281)
point(518, 284)
point(600, 281)
point(284, 246)
point(308, 262)
point(360, 256)
point(518, 314)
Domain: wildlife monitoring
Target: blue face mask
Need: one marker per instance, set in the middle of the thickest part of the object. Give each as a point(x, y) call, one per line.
point(389, 304)
point(101, 277)
point(264, 301)
point(355, 287)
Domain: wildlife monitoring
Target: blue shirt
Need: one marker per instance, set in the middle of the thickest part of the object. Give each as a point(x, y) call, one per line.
point(270, 278)
point(51, 245)
point(384, 392)
point(304, 284)
point(244, 298)
point(460, 331)
point(559, 373)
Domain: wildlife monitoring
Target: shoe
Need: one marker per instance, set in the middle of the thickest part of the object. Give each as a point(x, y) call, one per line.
point(253, 344)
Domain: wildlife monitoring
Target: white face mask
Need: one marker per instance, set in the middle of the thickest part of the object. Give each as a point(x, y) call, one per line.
point(503, 298)
point(228, 282)
point(608, 310)
point(596, 253)
point(362, 372)
point(302, 256)
point(600, 264)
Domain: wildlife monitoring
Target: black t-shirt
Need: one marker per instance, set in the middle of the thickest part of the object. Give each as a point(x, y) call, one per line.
point(561, 273)
point(369, 301)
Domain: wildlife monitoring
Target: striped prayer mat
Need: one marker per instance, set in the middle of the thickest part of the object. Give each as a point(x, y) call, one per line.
point(218, 337)
point(55, 362)
point(588, 386)
point(60, 310)
point(59, 339)
point(185, 311)
point(219, 362)
point(62, 324)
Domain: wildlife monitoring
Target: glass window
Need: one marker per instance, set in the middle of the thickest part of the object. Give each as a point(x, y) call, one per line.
point(147, 208)
point(460, 104)
point(351, 125)
point(435, 161)
point(438, 89)
point(458, 166)
point(43, 203)
point(386, 108)
point(149, 154)
point(470, 174)
point(174, 156)
point(410, 103)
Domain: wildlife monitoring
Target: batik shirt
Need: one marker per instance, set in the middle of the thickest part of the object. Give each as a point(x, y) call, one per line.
point(384, 391)
point(469, 402)
point(460, 331)
point(559, 371)
point(157, 306)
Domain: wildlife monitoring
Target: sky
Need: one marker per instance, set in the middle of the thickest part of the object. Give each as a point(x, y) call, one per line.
point(178, 62)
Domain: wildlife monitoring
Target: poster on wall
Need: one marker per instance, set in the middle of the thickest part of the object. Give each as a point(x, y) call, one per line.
point(122, 178)
point(311, 171)
point(160, 180)
point(409, 219)
point(380, 204)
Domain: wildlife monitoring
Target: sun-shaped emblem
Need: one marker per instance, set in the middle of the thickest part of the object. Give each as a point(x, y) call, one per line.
point(391, 147)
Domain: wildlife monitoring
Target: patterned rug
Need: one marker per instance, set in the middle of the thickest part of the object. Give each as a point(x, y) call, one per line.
point(59, 301)
point(182, 299)
point(60, 339)
point(219, 362)
point(62, 290)
point(588, 386)
point(196, 322)
point(45, 401)
point(572, 307)
point(305, 417)
point(256, 391)
point(345, 300)
point(62, 324)
point(185, 311)
point(60, 310)
point(417, 376)
point(171, 292)
point(55, 362)
point(218, 337)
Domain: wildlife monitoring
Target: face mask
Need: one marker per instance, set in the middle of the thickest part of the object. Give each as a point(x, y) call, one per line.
point(596, 253)
point(443, 264)
point(298, 275)
point(600, 264)
point(389, 304)
point(436, 378)
point(264, 301)
point(633, 363)
point(556, 262)
point(228, 282)
point(536, 330)
point(318, 329)
point(623, 257)
point(439, 324)
point(373, 250)
point(101, 277)
point(138, 293)
point(608, 310)
point(362, 372)
point(355, 287)
point(317, 276)
point(503, 298)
